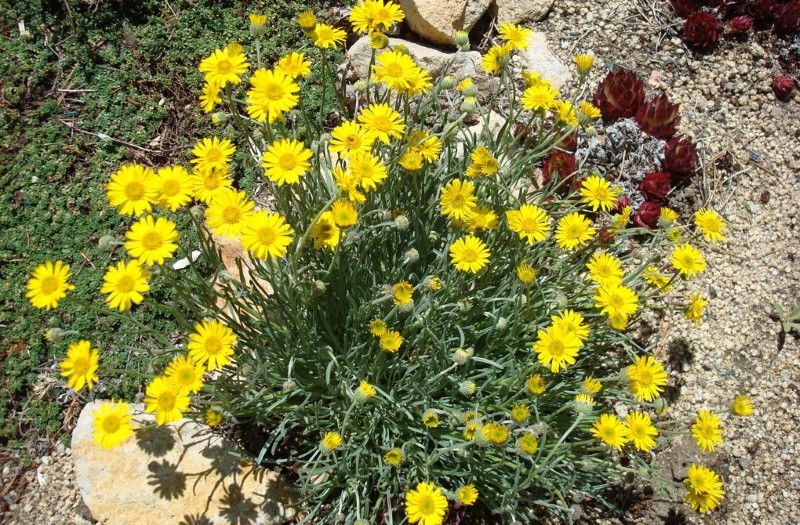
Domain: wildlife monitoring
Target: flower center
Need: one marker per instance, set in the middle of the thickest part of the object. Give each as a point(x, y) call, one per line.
point(111, 424)
point(469, 255)
point(50, 284)
point(151, 241)
point(266, 236)
point(170, 188)
point(125, 284)
point(645, 378)
point(231, 215)
point(574, 231)
point(80, 366)
point(616, 301)
point(381, 124)
point(394, 70)
point(224, 67)
point(213, 155)
point(530, 225)
point(212, 182)
point(186, 376)
point(287, 162)
point(352, 142)
point(213, 345)
point(274, 92)
point(134, 190)
point(556, 349)
point(166, 401)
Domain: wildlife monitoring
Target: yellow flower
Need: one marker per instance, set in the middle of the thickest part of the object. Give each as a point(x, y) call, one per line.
point(224, 66)
point(307, 20)
point(402, 293)
point(375, 15)
point(325, 232)
point(742, 406)
point(266, 235)
point(344, 213)
point(710, 225)
point(166, 400)
point(694, 310)
point(520, 413)
point(496, 58)
point(152, 241)
point(647, 378)
point(706, 431)
point(641, 430)
point(598, 193)
point(610, 430)
point(349, 137)
point(704, 489)
point(516, 35)
point(294, 65)
point(482, 218)
point(395, 69)
point(212, 153)
point(467, 495)
point(132, 189)
point(535, 385)
point(383, 122)
point(419, 82)
point(688, 260)
point(185, 373)
point(125, 283)
point(573, 231)
point(377, 327)
point(572, 322)
point(668, 214)
point(584, 62)
point(331, 441)
point(426, 504)
point(272, 94)
point(469, 254)
point(525, 273)
point(214, 418)
point(538, 96)
point(285, 161)
point(589, 110)
point(483, 163)
point(528, 444)
point(209, 97)
point(430, 419)
point(348, 184)
point(364, 392)
point(325, 36)
point(80, 366)
point(390, 341)
point(495, 433)
point(228, 212)
point(207, 183)
point(591, 385)
point(616, 299)
point(434, 283)
point(367, 169)
point(393, 457)
point(48, 285)
point(565, 112)
point(258, 24)
point(212, 344)
point(174, 187)
point(556, 348)
point(111, 424)
point(605, 268)
point(458, 200)
point(530, 222)
point(653, 277)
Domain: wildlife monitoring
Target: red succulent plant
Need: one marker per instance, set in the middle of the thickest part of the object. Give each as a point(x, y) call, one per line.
point(702, 30)
point(680, 158)
point(740, 24)
point(655, 186)
point(764, 12)
point(683, 8)
point(562, 166)
point(647, 215)
point(782, 86)
point(788, 18)
point(658, 117)
point(619, 95)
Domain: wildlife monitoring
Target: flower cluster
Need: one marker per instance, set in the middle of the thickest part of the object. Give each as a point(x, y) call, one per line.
point(413, 307)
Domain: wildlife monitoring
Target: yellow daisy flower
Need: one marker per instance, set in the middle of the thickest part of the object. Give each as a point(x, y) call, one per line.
point(704, 489)
point(80, 365)
point(604, 269)
point(610, 430)
point(294, 65)
point(390, 341)
point(272, 94)
point(647, 378)
point(517, 36)
point(383, 122)
point(688, 260)
point(641, 430)
point(469, 254)
point(285, 161)
point(166, 400)
point(185, 373)
point(228, 212)
point(111, 424)
point(530, 222)
point(349, 137)
point(49, 283)
point(394, 69)
point(266, 235)
point(206, 184)
point(598, 193)
point(174, 187)
point(325, 36)
point(124, 284)
point(209, 96)
point(707, 431)
point(367, 169)
point(556, 348)
point(325, 232)
point(573, 231)
point(426, 504)
point(152, 241)
point(211, 344)
point(458, 200)
point(344, 213)
point(224, 66)
point(710, 225)
point(212, 153)
point(132, 189)
point(467, 495)
point(742, 406)
point(402, 293)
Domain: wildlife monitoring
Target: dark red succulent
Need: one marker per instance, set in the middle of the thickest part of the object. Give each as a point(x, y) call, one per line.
point(782, 86)
point(658, 117)
point(764, 12)
point(622, 201)
point(680, 159)
point(605, 236)
point(561, 167)
point(647, 215)
point(655, 186)
point(683, 8)
point(569, 143)
point(702, 30)
point(723, 7)
point(740, 25)
point(787, 20)
point(619, 95)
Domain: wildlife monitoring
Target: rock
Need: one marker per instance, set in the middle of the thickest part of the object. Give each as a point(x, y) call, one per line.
point(519, 11)
point(539, 58)
point(178, 473)
point(438, 21)
point(465, 64)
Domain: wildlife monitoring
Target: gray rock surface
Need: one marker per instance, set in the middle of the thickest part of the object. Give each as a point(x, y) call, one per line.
point(541, 59)
point(520, 11)
point(437, 21)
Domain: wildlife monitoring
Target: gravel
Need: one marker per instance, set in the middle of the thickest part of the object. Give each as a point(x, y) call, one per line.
point(752, 167)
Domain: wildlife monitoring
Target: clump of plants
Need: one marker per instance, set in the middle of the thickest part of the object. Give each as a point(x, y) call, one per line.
point(424, 328)
point(706, 22)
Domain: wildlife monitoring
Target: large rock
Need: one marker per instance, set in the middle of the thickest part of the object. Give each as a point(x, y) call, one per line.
point(519, 11)
point(178, 473)
point(465, 64)
point(541, 59)
point(438, 20)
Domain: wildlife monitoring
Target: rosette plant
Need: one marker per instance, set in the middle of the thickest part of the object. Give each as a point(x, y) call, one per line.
point(619, 95)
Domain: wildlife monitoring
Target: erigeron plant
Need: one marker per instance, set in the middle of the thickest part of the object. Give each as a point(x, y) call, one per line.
point(423, 326)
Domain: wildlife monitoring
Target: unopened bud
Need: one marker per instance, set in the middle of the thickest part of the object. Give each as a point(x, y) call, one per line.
point(289, 385)
point(462, 355)
point(401, 222)
point(470, 91)
point(462, 40)
point(219, 117)
point(107, 243)
point(467, 388)
point(448, 82)
point(360, 86)
point(196, 212)
point(401, 48)
point(54, 335)
point(412, 255)
point(319, 287)
point(502, 323)
point(378, 40)
point(469, 105)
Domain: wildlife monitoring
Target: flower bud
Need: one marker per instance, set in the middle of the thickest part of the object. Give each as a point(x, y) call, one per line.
point(289, 385)
point(378, 40)
point(469, 105)
point(448, 82)
point(467, 388)
point(462, 40)
point(339, 518)
point(401, 48)
point(502, 323)
point(461, 355)
point(361, 521)
point(412, 255)
point(219, 117)
point(107, 243)
point(401, 222)
point(470, 91)
point(433, 236)
point(258, 25)
point(196, 212)
point(54, 335)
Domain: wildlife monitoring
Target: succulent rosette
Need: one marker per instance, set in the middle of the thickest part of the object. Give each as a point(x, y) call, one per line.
point(655, 186)
point(702, 30)
point(680, 158)
point(619, 95)
point(647, 215)
point(658, 117)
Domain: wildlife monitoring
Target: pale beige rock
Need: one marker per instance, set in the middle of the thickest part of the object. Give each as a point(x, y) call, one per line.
point(230, 250)
point(541, 59)
point(178, 473)
point(438, 20)
point(519, 11)
point(464, 65)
